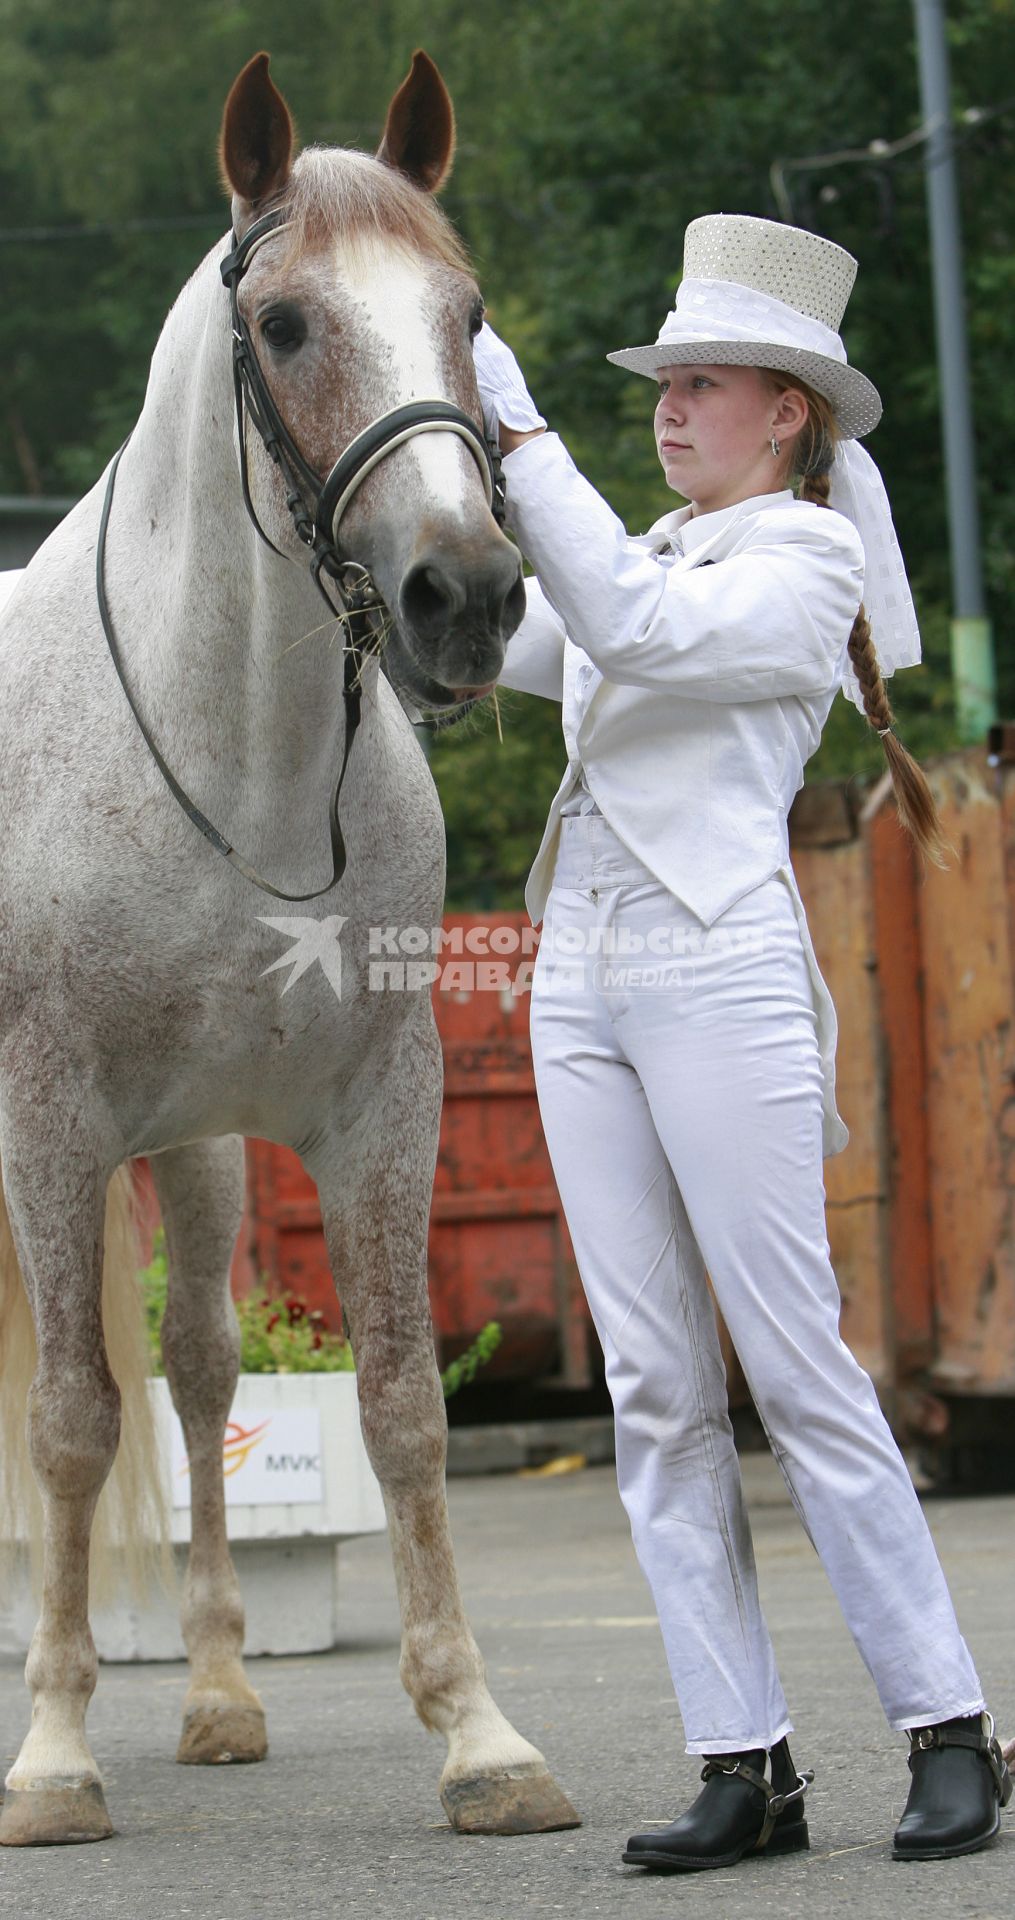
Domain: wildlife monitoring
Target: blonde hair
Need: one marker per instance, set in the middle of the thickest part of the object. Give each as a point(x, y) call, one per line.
point(811, 457)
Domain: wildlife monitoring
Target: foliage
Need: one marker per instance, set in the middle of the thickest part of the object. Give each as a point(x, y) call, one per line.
point(588, 137)
point(496, 795)
point(461, 1372)
point(279, 1334)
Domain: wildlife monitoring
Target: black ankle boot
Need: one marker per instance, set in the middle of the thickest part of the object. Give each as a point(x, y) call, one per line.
point(960, 1783)
point(744, 1807)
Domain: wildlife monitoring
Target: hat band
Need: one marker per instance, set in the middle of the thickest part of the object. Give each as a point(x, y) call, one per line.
point(712, 310)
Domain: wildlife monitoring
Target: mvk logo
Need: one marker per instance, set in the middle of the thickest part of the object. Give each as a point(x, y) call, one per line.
point(292, 1462)
point(267, 1458)
point(239, 1442)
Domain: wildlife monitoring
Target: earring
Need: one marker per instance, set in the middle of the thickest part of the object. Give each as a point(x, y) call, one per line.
point(776, 448)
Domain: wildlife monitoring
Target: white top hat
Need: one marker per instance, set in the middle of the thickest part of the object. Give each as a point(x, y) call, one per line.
point(756, 293)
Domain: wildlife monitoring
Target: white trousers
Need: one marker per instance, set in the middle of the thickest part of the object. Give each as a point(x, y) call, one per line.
point(680, 1090)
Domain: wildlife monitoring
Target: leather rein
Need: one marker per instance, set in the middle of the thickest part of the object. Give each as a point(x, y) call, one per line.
point(316, 508)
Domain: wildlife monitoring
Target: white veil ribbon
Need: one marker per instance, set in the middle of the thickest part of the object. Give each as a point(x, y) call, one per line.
point(857, 491)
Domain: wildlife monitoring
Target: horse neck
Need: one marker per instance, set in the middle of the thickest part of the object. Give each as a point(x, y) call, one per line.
point(228, 647)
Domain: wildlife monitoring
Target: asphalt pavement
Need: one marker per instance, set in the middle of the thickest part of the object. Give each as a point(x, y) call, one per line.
point(343, 1819)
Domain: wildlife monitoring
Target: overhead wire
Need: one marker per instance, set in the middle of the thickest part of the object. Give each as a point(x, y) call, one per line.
point(878, 151)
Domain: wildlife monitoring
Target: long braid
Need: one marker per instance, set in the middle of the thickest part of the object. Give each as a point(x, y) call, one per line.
point(914, 800)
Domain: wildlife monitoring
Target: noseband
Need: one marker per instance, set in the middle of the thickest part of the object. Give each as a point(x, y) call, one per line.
point(316, 508)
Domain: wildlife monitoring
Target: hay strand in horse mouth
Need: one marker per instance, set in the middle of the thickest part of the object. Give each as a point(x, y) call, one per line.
point(496, 715)
point(330, 628)
point(324, 627)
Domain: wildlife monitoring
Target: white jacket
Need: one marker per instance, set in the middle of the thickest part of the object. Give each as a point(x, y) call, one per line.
point(692, 693)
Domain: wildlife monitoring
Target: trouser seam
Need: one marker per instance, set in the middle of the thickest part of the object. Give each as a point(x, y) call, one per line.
point(781, 1460)
point(704, 1420)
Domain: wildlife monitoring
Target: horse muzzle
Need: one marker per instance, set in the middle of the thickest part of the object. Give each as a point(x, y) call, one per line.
point(458, 605)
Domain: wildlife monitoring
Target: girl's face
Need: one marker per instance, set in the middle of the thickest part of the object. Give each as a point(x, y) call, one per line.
point(714, 428)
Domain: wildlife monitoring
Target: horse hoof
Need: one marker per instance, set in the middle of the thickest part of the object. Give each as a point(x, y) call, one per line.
point(50, 1816)
point(218, 1736)
point(517, 1800)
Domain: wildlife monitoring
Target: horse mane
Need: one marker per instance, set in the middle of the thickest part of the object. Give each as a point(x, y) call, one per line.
point(338, 193)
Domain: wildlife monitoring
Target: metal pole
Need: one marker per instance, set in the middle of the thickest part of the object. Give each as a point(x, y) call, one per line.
point(972, 644)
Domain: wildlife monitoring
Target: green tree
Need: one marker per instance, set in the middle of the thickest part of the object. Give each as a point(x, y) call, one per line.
point(633, 118)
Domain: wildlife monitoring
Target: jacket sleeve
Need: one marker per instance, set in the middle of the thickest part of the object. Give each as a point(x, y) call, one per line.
point(534, 661)
point(763, 623)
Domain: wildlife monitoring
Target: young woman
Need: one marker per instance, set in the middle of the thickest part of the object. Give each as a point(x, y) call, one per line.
point(683, 1038)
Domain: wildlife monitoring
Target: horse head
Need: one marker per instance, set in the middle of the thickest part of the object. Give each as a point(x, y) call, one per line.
point(362, 301)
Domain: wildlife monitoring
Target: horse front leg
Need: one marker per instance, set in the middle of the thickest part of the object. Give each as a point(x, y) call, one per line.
point(375, 1201)
point(56, 1204)
point(200, 1190)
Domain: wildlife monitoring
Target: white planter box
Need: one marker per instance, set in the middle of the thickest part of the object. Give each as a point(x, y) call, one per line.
point(297, 1432)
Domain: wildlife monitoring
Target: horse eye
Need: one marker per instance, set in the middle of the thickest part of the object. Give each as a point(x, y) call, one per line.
point(284, 329)
point(476, 318)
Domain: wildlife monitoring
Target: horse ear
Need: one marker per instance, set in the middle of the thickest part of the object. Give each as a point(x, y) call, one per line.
point(419, 133)
point(256, 142)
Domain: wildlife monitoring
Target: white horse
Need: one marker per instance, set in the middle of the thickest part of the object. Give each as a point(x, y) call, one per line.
point(139, 1009)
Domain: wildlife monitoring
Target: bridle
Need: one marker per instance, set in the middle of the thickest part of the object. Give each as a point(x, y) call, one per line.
point(316, 507)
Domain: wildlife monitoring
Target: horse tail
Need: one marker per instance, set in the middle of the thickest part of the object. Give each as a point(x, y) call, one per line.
point(130, 1534)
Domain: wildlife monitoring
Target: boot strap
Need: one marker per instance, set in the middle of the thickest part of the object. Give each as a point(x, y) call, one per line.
point(924, 1739)
point(775, 1803)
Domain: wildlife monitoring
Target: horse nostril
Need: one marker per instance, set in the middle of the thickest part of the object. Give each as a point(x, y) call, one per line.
point(514, 603)
point(430, 598)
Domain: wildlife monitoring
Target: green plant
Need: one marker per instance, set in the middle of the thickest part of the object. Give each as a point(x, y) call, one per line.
point(153, 1281)
point(279, 1334)
point(458, 1373)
